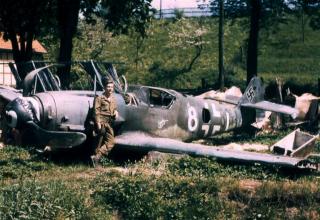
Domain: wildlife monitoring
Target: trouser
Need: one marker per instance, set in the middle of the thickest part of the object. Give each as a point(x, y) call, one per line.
point(105, 140)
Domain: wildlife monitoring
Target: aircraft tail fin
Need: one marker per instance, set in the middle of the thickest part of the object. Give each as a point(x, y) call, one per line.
point(253, 97)
point(254, 92)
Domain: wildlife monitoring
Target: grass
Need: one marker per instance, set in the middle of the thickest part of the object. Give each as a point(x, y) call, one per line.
point(278, 200)
point(169, 187)
point(42, 200)
point(32, 187)
point(149, 197)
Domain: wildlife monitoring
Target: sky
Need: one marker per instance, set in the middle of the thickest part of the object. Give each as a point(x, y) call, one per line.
point(177, 3)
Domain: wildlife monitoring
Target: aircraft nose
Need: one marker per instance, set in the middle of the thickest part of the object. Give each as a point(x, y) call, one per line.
point(18, 111)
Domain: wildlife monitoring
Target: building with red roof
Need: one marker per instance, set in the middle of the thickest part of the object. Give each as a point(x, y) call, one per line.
point(6, 56)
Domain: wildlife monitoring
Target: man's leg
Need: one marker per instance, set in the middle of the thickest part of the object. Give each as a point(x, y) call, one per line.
point(105, 145)
point(109, 139)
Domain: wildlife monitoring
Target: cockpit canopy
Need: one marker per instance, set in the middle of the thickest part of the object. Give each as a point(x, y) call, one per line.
point(41, 79)
point(153, 96)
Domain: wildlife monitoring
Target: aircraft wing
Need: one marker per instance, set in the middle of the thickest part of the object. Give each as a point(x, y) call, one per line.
point(9, 93)
point(140, 141)
point(274, 107)
point(57, 139)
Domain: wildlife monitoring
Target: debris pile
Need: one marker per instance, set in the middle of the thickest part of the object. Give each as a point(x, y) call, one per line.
point(307, 104)
point(232, 91)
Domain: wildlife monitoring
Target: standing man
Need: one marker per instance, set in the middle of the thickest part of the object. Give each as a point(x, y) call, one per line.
point(104, 112)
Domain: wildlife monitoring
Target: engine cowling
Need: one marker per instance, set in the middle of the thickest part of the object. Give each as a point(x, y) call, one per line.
point(20, 111)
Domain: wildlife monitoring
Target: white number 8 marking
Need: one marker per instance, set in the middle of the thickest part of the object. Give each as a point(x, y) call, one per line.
point(192, 119)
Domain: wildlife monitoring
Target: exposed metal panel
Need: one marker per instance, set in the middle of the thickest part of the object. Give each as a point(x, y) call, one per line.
point(141, 141)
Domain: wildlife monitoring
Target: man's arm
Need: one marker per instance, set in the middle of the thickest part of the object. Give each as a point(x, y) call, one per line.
point(97, 112)
point(115, 111)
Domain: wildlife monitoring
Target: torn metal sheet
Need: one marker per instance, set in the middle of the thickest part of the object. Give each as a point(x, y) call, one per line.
point(295, 144)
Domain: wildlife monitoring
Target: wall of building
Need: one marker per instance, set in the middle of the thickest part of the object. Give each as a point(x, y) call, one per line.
point(6, 77)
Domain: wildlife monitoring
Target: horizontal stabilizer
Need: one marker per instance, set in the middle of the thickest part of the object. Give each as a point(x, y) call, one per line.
point(143, 142)
point(57, 139)
point(270, 106)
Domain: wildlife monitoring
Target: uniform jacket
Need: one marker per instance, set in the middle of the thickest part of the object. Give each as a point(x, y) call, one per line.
point(104, 109)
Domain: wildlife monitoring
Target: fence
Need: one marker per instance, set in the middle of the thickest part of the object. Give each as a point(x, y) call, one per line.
point(6, 76)
point(187, 12)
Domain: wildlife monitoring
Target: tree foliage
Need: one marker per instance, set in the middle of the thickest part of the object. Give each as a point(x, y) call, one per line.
point(120, 15)
point(93, 41)
point(20, 22)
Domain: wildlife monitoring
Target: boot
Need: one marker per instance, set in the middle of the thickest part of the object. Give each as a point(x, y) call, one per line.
point(95, 161)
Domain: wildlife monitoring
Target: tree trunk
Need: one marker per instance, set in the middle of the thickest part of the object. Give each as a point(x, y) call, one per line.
point(15, 46)
point(221, 49)
point(68, 11)
point(252, 54)
point(22, 53)
point(252, 57)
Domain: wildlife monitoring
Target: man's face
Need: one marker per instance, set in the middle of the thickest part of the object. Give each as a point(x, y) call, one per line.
point(109, 88)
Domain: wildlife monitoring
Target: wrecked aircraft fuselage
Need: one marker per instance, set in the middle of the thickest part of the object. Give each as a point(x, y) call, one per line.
point(153, 118)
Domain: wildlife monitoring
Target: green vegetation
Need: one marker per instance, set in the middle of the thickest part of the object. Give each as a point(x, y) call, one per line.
point(42, 200)
point(162, 58)
point(32, 187)
point(142, 196)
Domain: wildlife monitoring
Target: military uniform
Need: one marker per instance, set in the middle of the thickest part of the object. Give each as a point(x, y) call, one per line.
point(104, 114)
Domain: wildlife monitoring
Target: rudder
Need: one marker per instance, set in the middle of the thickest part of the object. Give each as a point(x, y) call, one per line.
point(254, 92)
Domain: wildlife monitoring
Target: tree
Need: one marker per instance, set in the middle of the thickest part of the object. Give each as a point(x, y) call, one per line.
point(234, 8)
point(19, 23)
point(315, 21)
point(263, 14)
point(68, 11)
point(22, 20)
point(304, 9)
point(118, 15)
point(92, 41)
point(252, 54)
point(221, 50)
point(185, 35)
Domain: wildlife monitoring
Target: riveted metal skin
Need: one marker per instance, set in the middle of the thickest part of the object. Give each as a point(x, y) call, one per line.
point(147, 116)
